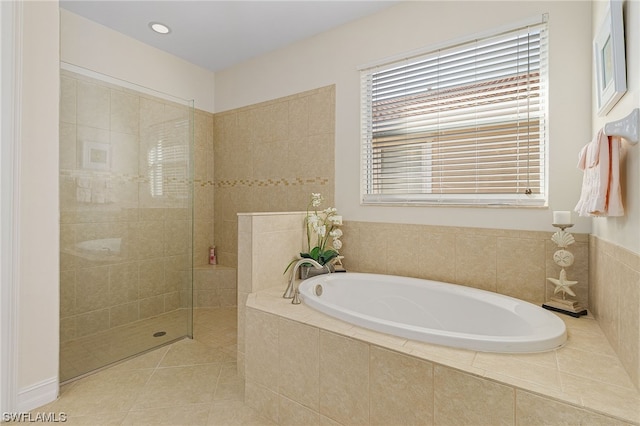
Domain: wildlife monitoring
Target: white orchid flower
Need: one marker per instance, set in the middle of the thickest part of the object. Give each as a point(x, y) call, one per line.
point(337, 244)
point(320, 230)
point(336, 233)
point(335, 219)
point(316, 199)
point(313, 219)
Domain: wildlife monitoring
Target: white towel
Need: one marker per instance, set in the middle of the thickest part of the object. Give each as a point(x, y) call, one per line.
point(600, 162)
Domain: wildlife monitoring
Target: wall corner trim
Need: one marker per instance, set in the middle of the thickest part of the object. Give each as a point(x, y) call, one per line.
point(11, 21)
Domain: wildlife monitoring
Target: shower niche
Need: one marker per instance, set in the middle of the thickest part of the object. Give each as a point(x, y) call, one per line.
point(126, 220)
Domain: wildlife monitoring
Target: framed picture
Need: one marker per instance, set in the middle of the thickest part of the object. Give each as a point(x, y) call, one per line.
point(96, 155)
point(611, 75)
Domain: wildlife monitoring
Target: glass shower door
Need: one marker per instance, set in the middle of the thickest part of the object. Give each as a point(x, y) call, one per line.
point(126, 215)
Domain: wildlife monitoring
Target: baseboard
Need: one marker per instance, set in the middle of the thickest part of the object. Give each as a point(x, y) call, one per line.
point(37, 395)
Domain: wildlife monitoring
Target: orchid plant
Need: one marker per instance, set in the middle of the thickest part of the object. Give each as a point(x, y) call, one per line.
point(323, 232)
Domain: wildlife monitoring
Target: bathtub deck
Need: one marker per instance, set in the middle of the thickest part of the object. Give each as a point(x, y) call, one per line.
point(585, 372)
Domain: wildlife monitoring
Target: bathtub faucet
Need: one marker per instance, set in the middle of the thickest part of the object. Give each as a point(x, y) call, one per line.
point(292, 291)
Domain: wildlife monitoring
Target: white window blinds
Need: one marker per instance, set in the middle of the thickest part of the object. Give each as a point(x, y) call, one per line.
point(460, 125)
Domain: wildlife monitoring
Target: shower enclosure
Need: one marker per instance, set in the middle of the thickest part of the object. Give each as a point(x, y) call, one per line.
point(126, 216)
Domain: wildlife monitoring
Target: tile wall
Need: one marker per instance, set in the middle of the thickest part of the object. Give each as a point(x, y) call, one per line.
point(511, 262)
point(614, 292)
point(125, 205)
point(203, 188)
point(214, 286)
point(270, 157)
point(298, 373)
point(266, 244)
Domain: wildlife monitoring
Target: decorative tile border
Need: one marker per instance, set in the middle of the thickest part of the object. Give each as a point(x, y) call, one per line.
point(271, 182)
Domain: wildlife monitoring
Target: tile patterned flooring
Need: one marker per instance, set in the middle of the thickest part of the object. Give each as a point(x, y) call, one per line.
point(88, 353)
point(190, 382)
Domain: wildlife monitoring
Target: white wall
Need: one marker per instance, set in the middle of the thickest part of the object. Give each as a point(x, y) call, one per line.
point(38, 228)
point(97, 48)
point(625, 230)
point(333, 57)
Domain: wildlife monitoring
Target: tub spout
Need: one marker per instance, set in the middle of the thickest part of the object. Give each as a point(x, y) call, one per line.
point(290, 292)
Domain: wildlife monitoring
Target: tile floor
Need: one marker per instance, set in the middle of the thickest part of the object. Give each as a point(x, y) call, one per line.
point(190, 382)
point(88, 353)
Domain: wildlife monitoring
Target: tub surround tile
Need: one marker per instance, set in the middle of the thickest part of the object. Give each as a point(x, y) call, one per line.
point(439, 256)
point(545, 376)
point(263, 400)
point(344, 379)
point(299, 363)
point(401, 389)
point(511, 262)
point(582, 377)
point(588, 339)
point(293, 414)
point(561, 377)
point(534, 410)
point(375, 337)
point(444, 355)
point(593, 366)
point(464, 399)
point(520, 262)
point(604, 398)
point(476, 259)
point(262, 331)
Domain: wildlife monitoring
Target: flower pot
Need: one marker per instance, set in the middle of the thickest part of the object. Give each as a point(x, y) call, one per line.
point(308, 271)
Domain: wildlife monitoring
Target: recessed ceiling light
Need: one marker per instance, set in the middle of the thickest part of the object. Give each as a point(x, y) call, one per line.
point(159, 28)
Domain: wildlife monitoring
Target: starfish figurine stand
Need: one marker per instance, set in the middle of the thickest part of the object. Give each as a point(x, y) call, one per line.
point(564, 258)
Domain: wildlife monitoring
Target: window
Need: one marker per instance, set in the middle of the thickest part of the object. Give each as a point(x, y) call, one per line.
point(168, 160)
point(464, 124)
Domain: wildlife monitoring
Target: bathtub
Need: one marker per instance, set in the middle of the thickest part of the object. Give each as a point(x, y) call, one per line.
point(435, 312)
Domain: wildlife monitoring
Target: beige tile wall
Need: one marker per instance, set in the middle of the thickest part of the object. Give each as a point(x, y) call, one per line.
point(270, 157)
point(266, 244)
point(614, 293)
point(297, 373)
point(515, 263)
point(203, 195)
point(214, 286)
point(511, 262)
point(150, 274)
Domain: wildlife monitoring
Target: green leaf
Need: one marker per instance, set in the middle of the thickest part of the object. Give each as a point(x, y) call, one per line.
point(315, 253)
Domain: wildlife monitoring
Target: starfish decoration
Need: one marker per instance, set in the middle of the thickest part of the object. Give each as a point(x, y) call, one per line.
point(562, 284)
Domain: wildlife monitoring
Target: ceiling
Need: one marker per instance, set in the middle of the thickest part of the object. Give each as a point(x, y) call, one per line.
point(218, 34)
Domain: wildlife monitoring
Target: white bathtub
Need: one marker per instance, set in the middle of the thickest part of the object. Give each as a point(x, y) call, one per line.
point(435, 312)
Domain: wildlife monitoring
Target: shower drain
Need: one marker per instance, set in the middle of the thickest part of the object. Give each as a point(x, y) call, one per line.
point(159, 333)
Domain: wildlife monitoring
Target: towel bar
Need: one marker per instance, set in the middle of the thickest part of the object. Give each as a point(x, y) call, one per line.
point(626, 127)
